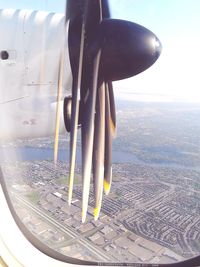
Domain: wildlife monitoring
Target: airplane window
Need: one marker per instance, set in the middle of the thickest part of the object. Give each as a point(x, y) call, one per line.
point(152, 212)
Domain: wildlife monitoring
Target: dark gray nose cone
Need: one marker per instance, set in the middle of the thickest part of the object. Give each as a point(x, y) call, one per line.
point(127, 49)
point(157, 46)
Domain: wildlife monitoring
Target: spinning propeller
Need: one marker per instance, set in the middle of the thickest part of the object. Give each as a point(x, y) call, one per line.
point(101, 50)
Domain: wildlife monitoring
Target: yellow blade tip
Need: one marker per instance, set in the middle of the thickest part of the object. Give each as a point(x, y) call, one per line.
point(69, 197)
point(84, 216)
point(96, 213)
point(113, 128)
point(106, 187)
point(69, 202)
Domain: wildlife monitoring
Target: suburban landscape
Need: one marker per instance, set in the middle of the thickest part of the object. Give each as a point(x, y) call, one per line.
point(152, 213)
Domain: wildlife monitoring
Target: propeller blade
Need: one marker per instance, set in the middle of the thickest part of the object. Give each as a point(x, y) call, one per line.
point(112, 108)
point(98, 150)
point(100, 50)
point(58, 107)
point(108, 142)
point(88, 122)
point(75, 116)
point(88, 136)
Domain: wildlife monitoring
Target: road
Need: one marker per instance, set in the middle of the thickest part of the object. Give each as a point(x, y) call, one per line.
point(66, 230)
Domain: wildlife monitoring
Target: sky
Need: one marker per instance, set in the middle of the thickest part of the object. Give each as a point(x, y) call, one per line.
point(176, 23)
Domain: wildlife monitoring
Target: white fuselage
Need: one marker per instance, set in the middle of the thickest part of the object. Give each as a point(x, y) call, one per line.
point(34, 41)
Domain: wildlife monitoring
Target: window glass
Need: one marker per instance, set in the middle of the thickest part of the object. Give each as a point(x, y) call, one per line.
point(152, 214)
